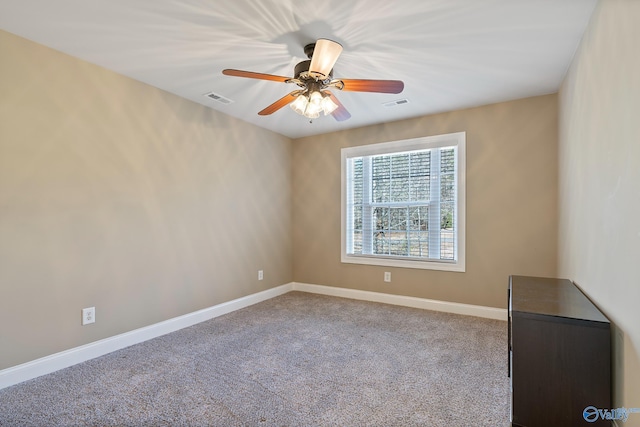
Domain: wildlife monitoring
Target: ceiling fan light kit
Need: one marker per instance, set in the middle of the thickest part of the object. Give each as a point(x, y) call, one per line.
point(310, 105)
point(315, 77)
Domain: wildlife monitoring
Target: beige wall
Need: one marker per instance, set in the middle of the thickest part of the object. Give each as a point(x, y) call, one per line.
point(599, 237)
point(117, 195)
point(511, 203)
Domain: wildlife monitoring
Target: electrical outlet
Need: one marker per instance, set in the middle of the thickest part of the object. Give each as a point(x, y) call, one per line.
point(88, 315)
point(387, 276)
point(260, 275)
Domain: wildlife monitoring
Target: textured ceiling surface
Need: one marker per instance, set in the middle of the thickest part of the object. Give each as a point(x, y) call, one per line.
point(451, 54)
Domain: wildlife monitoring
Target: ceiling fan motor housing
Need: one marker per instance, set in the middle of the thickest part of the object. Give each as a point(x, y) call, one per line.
point(301, 71)
point(308, 50)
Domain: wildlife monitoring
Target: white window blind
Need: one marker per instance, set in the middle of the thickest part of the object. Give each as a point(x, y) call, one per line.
point(402, 203)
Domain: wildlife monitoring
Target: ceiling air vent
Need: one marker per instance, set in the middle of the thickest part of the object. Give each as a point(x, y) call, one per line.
point(396, 102)
point(219, 98)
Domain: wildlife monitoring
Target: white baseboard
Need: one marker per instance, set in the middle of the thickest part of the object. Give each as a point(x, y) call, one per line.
point(64, 359)
point(414, 302)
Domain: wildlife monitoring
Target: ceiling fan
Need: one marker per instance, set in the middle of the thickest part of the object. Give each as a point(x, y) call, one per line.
point(315, 78)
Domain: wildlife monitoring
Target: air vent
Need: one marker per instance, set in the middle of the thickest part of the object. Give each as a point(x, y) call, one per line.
point(396, 102)
point(219, 98)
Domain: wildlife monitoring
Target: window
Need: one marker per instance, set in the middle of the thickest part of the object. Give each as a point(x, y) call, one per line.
point(403, 203)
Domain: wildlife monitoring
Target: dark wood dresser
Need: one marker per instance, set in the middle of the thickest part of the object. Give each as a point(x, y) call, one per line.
point(559, 354)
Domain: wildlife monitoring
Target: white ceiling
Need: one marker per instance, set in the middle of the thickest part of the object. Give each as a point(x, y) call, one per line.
point(451, 54)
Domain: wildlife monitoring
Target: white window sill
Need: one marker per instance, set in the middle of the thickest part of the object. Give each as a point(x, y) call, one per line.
point(404, 263)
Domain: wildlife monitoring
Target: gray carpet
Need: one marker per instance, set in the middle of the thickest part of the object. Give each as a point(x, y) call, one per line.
point(296, 360)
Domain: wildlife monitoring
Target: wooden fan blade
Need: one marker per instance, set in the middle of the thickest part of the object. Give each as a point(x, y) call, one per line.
point(340, 114)
point(288, 98)
point(382, 86)
point(252, 75)
point(325, 55)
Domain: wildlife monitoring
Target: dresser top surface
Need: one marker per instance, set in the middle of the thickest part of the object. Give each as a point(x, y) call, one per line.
point(552, 297)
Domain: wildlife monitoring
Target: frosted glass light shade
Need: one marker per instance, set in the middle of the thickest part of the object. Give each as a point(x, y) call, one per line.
point(328, 106)
point(300, 104)
point(325, 55)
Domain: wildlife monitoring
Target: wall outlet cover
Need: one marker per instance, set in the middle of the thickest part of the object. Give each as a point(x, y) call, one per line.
point(88, 315)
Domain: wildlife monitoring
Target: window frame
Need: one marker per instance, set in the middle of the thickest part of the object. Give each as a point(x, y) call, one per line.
point(457, 139)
